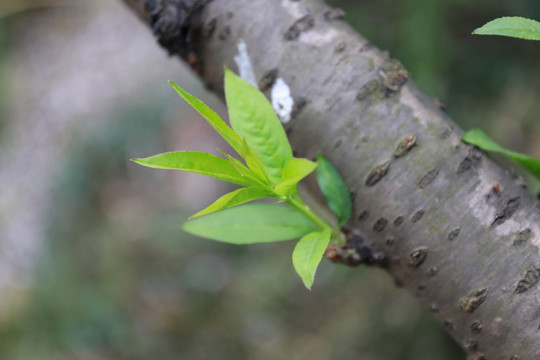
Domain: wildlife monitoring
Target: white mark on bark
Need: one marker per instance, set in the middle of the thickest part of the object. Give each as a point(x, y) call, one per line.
point(511, 226)
point(535, 239)
point(245, 68)
point(485, 214)
point(480, 209)
point(496, 326)
point(319, 38)
point(282, 102)
point(293, 8)
point(508, 227)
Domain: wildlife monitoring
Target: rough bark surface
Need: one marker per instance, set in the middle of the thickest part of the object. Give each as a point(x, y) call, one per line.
point(457, 230)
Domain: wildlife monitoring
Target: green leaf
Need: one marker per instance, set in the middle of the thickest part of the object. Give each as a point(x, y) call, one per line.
point(308, 253)
point(253, 223)
point(254, 163)
point(237, 197)
point(253, 118)
point(517, 27)
point(196, 162)
point(212, 118)
point(334, 189)
point(245, 172)
point(478, 138)
point(295, 170)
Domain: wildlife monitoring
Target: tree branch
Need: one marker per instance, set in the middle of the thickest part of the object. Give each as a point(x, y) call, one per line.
point(427, 201)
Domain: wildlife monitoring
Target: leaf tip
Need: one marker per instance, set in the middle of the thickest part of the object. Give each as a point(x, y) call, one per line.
point(139, 161)
point(228, 73)
point(307, 280)
point(471, 135)
point(186, 226)
point(177, 88)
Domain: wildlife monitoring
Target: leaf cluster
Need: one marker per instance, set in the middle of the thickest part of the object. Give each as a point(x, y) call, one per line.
point(266, 169)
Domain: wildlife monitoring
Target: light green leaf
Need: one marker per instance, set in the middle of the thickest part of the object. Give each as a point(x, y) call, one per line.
point(478, 138)
point(334, 189)
point(245, 172)
point(253, 223)
point(253, 118)
point(295, 170)
point(196, 162)
point(212, 118)
point(515, 26)
point(254, 163)
point(308, 253)
point(237, 197)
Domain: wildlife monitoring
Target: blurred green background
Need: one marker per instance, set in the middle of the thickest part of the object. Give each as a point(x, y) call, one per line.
point(92, 262)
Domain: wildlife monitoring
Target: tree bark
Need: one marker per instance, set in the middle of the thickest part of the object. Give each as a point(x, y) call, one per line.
point(456, 230)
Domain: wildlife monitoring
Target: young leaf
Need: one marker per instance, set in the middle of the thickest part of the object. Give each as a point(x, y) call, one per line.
point(197, 162)
point(212, 118)
point(253, 118)
point(237, 197)
point(515, 26)
point(295, 170)
point(245, 172)
point(249, 224)
point(478, 138)
point(308, 253)
point(254, 163)
point(334, 189)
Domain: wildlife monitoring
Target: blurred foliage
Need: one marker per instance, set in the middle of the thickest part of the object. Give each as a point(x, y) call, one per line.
point(433, 39)
point(119, 280)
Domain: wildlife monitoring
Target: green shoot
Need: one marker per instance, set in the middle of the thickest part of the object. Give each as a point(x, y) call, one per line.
point(268, 170)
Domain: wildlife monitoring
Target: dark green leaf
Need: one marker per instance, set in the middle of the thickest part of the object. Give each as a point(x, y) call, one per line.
point(295, 170)
point(237, 197)
point(196, 162)
point(249, 224)
point(308, 254)
point(334, 189)
point(517, 27)
point(253, 118)
point(478, 138)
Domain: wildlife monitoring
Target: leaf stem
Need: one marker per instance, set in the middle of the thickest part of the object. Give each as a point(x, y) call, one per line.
point(296, 203)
